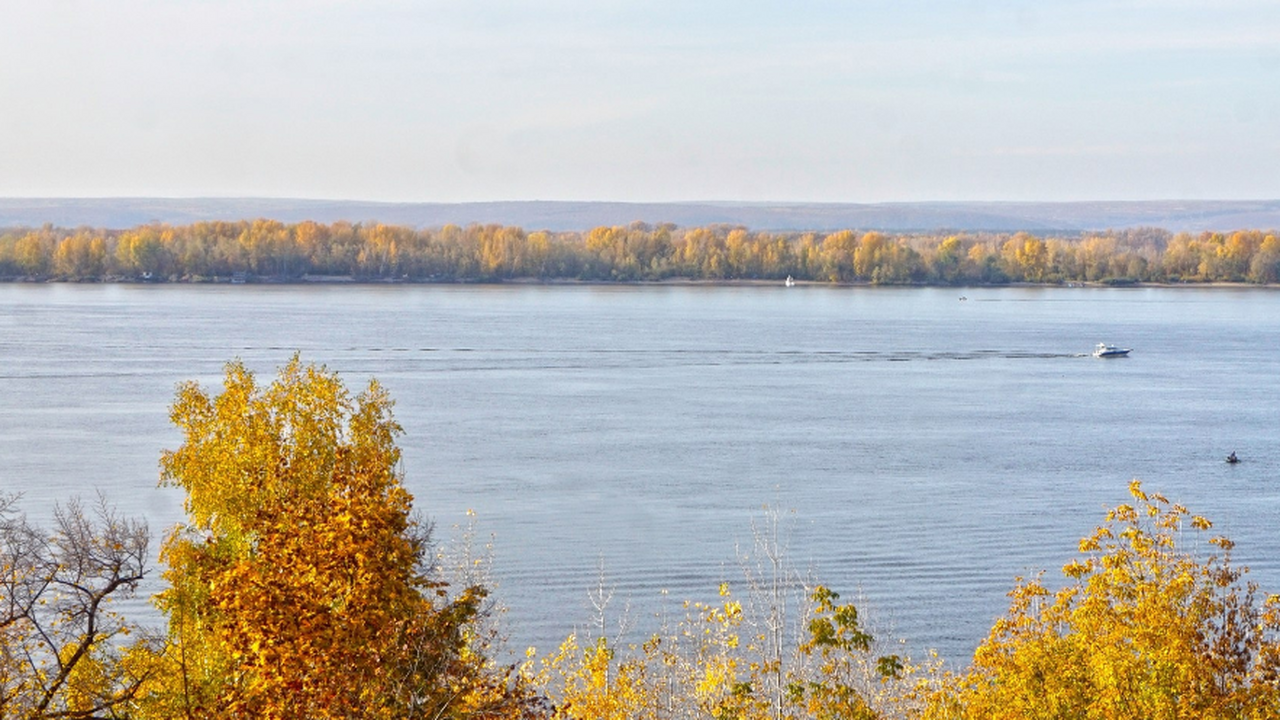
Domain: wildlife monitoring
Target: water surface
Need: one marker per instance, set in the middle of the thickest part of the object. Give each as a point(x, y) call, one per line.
point(925, 450)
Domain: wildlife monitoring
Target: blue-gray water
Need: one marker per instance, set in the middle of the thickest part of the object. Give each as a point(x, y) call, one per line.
point(931, 449)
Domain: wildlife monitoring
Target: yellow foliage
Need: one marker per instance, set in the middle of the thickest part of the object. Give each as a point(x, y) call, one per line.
point(1143, 630)
point(64, 652)
point(298, 589)
point(710, 665)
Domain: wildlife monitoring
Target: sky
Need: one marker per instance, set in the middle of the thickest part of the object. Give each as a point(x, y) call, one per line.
point(643, 101)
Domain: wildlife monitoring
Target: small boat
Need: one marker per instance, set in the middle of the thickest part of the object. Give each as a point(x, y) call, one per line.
point(790, 281)
point(1232, 459)
point(1104, 350)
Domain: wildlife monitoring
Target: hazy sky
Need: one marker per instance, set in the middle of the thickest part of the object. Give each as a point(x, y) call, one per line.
point(653, 100)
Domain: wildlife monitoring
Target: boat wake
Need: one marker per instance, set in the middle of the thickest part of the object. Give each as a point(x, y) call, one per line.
point(469, 359)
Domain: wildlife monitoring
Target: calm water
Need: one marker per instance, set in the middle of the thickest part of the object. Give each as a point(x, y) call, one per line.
point(927, 450)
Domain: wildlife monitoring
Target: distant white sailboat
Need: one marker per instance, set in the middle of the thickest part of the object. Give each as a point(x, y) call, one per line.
point(790, 281)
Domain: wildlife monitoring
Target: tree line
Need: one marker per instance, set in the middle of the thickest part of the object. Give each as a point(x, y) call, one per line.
point(303, 586)
point(270, 250)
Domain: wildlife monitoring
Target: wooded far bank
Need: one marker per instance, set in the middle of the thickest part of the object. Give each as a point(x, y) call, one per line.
point(268, 250)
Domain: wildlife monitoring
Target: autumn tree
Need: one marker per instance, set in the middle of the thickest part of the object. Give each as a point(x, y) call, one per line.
point(700, 253)
point(64, 651)
point(300, 586)
point(635, 252)
point(787, 650)
point(1265, 266)
point(80, 256)
point(945, 261)
point(1026, 257)
point(145, 250)
point(837, 251)
point(32, 253)
point(1144, 628)
point(715, 662)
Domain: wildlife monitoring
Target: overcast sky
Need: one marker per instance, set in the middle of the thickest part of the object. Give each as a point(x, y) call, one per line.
point(645, 100)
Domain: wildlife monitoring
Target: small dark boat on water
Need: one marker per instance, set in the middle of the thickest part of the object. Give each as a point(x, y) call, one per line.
point(1232, 459)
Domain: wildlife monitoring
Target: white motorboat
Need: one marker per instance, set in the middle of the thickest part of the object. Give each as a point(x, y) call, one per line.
point(1104, 350)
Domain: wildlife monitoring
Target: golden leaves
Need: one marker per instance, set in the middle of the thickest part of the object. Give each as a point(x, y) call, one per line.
point(715, 664)
point(1077, 569)
point(1143, 629)
point(299, 589)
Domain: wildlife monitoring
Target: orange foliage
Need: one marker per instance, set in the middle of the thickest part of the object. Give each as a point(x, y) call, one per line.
point(1144, 629)
point(299, 588)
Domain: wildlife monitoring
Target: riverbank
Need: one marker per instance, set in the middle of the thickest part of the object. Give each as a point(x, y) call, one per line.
point(668, 282)
point(268, 251)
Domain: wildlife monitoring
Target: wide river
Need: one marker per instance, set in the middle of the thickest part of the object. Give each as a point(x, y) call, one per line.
point(924, 450)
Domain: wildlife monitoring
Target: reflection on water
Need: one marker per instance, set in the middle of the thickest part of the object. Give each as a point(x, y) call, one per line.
point(930, 450)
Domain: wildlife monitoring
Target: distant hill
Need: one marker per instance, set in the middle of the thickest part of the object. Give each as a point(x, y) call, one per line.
point(1190, 215)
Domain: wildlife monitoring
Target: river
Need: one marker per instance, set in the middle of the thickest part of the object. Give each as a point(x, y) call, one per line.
point(923, 450)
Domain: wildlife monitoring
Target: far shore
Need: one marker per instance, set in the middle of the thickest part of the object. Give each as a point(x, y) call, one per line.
point(665, 282)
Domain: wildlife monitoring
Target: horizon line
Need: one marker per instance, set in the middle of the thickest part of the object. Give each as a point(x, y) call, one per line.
point(275, 198)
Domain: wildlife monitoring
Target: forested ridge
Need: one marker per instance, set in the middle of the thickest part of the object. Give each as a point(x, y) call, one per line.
point(266, 250)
